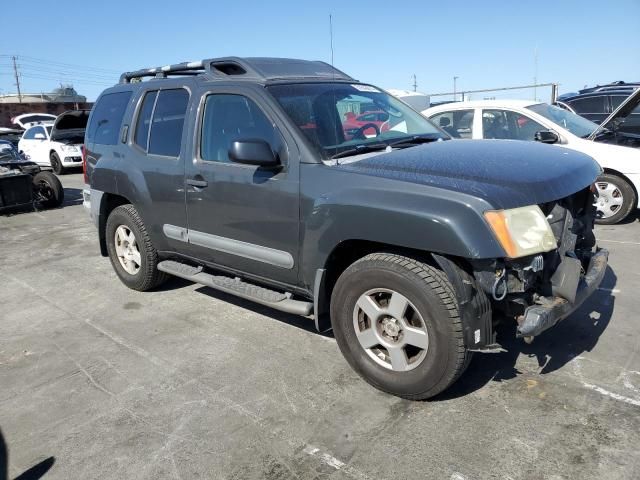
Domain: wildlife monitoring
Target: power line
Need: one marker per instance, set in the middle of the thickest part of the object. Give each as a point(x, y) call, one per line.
point(62, 64)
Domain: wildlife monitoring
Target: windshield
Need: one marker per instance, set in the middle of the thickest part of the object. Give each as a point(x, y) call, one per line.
point(576, 124)
point(8, 152)
point(340, 117)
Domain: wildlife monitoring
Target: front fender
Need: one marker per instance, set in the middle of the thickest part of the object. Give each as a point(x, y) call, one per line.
point(389, 212)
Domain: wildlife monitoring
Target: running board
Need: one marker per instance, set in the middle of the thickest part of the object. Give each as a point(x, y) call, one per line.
point(239, 288)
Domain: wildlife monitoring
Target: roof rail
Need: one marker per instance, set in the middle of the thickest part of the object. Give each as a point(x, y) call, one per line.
point(253, 68)
point(184, 68)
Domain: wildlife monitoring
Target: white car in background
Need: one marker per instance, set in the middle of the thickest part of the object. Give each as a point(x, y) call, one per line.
point(618, 186)
point(56, 144)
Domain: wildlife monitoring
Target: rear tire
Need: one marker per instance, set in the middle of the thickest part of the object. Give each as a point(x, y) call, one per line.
point(616, 201)
point(401, 361)
point(48, 190)
point(132, 254)
point(56, 164)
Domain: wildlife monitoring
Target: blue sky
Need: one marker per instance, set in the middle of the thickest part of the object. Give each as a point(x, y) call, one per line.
point(486, 44)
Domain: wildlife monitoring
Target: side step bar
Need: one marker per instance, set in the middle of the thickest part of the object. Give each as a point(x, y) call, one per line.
point(236, 286)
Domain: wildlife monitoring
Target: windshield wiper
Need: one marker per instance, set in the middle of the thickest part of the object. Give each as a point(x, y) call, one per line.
point(414, 140)
point(374, 147)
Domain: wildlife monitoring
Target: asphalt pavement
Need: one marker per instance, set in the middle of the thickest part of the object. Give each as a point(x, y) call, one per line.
point(98, 381)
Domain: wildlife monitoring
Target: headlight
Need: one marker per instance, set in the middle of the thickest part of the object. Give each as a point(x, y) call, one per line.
point(521, 231)
point(69, 148)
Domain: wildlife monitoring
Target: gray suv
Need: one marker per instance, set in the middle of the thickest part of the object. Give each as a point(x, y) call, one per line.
point(238, 174)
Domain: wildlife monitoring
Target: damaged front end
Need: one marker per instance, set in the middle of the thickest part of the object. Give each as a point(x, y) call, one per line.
point(541, 289)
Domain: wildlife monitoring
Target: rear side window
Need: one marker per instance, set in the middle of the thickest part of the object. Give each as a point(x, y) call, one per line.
point(106, 118)
point(161, 121)
point(589, 104)
point(141, 137)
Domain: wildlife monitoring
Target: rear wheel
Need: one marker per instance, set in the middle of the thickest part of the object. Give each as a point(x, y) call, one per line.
point(56, 164)
point(396, 322)
point(48, 190)
point(131, 252)
point(616, 199)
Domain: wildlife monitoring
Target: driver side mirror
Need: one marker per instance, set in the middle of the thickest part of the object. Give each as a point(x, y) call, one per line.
point(39, 136)
point(546, 136)
point(253, 152)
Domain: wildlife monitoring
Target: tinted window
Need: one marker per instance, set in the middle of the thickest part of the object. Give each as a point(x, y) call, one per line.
point(457, 123)
point(106, 118)
point(228, 118)
point(29, 134)
point(38, 130)
point(141, 136)
point(508, 125)
point(589, 105)
point(616, 100)
point(165, 137)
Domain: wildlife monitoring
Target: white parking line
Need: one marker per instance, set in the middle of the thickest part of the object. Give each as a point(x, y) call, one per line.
point(618, 241)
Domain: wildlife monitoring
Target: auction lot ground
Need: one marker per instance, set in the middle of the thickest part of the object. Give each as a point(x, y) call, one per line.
point(186, 382)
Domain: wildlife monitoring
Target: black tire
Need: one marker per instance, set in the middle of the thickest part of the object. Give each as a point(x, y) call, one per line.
point(148, 275)
point(56, 164)
point(629, 197)
point(429, 290)
point(48, 190)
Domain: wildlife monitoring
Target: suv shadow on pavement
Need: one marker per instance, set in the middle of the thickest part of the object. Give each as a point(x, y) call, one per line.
point(297, 321)
point(553, 349)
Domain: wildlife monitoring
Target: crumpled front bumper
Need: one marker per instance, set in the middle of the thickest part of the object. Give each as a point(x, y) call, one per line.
point(538, 318)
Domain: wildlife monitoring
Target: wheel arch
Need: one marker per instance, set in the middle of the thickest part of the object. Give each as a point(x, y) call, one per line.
point(349, 251)
point(108, 202)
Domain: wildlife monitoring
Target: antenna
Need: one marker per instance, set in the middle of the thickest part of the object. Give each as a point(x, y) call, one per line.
point(415, 83)
point(535, 73)
point(331, 37)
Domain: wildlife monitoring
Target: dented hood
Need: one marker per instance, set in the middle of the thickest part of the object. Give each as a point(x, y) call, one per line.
point(505, 173)
point(70, 125)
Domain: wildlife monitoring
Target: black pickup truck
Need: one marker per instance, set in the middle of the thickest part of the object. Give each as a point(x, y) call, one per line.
point(250, 176)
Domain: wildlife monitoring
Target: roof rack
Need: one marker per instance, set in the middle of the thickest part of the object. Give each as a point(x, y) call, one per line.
point(248, 68)
point(184, 68)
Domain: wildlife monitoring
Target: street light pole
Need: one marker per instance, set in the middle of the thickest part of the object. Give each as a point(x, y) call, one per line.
point(455, 79)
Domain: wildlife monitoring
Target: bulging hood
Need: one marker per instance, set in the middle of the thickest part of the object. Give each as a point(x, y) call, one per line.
point(504, 173)
point(70, 126)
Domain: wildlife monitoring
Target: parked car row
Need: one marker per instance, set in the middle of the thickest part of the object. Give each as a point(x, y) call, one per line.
point(608, 144)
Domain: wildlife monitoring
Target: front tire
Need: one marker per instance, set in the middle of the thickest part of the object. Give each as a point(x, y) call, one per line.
point(56, 164)
point(131, 251)
point(616, 199)
point(397, 323)
point(49, 192)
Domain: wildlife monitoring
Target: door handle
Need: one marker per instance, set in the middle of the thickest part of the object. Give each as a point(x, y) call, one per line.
point(197, 183)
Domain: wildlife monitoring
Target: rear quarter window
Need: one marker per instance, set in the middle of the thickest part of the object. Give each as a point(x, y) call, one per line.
point(106, 118)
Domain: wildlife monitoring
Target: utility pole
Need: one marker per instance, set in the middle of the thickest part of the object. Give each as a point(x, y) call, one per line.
point(415, 83)
point(15, 72)
point(455, 80)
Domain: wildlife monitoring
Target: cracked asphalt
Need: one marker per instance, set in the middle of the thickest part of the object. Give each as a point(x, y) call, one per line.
point(98, 381)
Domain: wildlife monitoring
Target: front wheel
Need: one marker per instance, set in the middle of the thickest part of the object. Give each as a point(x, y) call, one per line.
point(48, 190)
point(56, 164)
point(132, 254)
point(616, 199)
point(397, 323)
